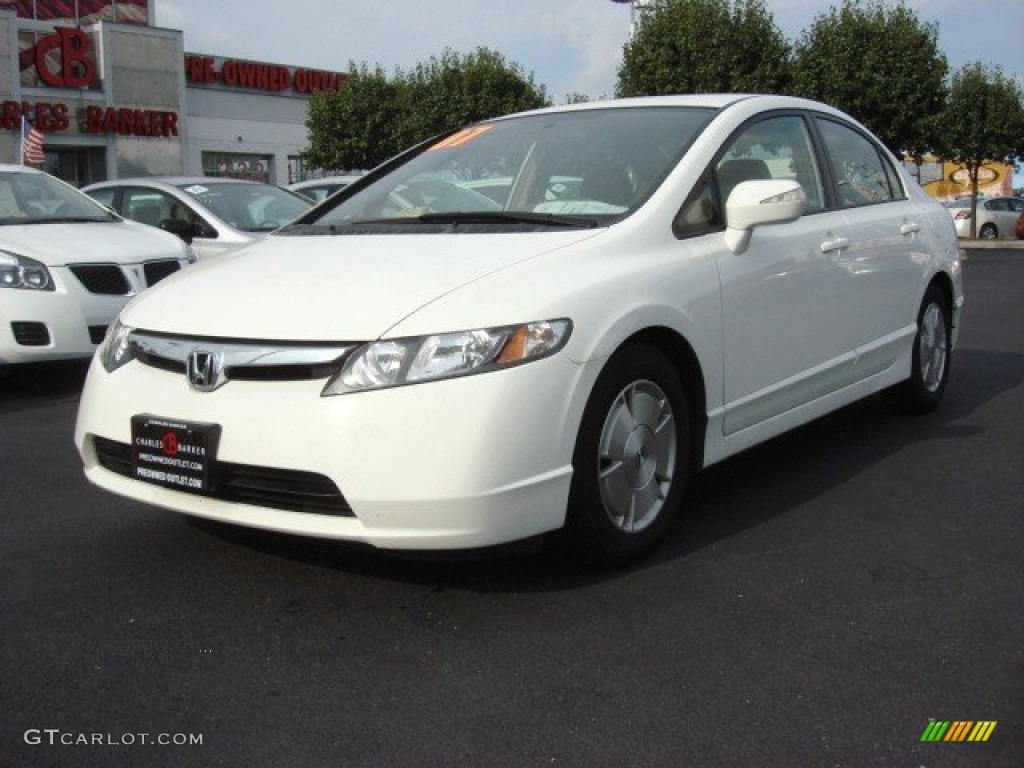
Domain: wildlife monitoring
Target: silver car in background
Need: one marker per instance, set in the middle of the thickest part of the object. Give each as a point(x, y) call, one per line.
point(997, 216)
point(215, 215)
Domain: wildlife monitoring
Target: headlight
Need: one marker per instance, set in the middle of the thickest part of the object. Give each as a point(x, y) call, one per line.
point(117, 347)
point(23, 272)
point(396, 362)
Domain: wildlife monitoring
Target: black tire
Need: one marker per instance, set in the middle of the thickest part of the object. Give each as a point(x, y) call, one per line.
point(631, 460)
point(929, 373)
point(988, 232)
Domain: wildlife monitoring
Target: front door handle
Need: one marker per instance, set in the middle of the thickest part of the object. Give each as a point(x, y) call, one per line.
point(835, 244)
point(909, 228)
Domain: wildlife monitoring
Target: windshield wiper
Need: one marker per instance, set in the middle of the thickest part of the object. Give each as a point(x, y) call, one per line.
point(504, 217)
point(453, 219)
point(66, 220)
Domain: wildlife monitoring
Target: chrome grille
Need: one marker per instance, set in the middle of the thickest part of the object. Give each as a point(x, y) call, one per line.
point(243, 360)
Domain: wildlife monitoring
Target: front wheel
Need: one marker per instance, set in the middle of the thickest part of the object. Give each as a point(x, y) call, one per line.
point(631, 459)
point(930, 369)
point(988, 232)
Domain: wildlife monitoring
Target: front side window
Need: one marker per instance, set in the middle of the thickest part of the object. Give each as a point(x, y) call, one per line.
point(584, 168)
point(148, 206)
point(701, 213)
point(773, 148)
point(862, 175)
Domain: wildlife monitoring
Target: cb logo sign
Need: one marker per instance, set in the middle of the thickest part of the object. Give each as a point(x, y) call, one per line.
point(76, 68)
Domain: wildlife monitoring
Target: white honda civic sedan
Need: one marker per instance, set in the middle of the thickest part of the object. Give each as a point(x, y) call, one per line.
point(544, 322)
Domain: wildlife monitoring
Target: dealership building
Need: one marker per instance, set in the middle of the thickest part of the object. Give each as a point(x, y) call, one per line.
point(115, 96)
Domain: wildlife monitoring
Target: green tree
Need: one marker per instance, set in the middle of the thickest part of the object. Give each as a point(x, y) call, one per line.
point(453, 89)
point(881, 64)
point(373, 117)
point(983, 120)
point(705, 46)
point(357, 126)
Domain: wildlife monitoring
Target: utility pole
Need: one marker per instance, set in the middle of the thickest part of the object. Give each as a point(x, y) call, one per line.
point(634, 6)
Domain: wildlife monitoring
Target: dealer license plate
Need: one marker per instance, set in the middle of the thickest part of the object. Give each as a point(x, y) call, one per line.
point(174, 454)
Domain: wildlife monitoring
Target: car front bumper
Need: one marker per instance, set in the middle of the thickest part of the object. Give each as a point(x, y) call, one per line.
point(463, 463)
point(63, 324)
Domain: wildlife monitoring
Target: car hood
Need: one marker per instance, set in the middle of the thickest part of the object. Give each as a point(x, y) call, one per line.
point(103, 242)
point(344, 288)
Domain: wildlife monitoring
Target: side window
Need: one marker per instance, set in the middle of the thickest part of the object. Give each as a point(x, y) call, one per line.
point(700, 214)
point(1018, 205)
point(998, 205)
point(774, 148)
point(146, 206)
point(104, 196)
point(860, 171)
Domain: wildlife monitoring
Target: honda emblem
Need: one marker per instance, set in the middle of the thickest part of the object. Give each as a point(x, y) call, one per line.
point(204, 369)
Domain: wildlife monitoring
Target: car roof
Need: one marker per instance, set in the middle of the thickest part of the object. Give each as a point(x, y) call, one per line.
point(717, 101)
point(324, 180)
point(15, 168)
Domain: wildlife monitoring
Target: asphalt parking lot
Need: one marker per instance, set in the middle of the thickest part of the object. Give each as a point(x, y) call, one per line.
point(829, 594)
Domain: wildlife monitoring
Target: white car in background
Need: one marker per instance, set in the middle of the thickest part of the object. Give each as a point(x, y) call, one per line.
point(320, 189)
point(68, 266)
point(419, 365)
point(997, 216)
point(215, 215)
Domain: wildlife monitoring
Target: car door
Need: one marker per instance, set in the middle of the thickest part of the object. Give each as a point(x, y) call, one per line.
point(787, 303)
point(885, 250)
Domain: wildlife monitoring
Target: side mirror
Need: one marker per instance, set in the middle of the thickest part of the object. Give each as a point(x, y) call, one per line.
point(179, 227)
point(755, 203)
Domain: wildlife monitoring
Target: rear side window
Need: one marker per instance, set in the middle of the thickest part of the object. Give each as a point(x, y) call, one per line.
point(862, 174)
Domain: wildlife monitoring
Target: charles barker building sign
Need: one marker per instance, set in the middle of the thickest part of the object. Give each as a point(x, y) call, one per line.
point(64, 59)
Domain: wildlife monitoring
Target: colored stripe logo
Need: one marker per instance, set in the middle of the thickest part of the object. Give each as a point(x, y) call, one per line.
point(959, 730)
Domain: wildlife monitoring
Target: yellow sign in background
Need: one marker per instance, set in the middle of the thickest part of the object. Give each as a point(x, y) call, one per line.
point(947, 181)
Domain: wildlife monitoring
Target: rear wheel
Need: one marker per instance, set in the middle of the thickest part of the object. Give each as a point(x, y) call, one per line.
point(930, 370)
point(631, 459)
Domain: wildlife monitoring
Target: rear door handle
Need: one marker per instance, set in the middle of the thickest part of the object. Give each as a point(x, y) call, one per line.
point(835, 244)
point(909, 228)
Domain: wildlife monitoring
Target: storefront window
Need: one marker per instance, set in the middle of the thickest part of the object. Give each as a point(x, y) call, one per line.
point(296, 169)
point(77, 167)
point(83, 11)
point(237, 166)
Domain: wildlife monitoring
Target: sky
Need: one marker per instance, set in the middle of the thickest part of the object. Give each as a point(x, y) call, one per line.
point(569, 46)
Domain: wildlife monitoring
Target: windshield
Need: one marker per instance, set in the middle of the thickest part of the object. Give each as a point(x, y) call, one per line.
point(249, 207)
point(576, 168)
point(35, 198)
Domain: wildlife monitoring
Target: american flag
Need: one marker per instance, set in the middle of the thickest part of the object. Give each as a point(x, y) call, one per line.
point(31, 144)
